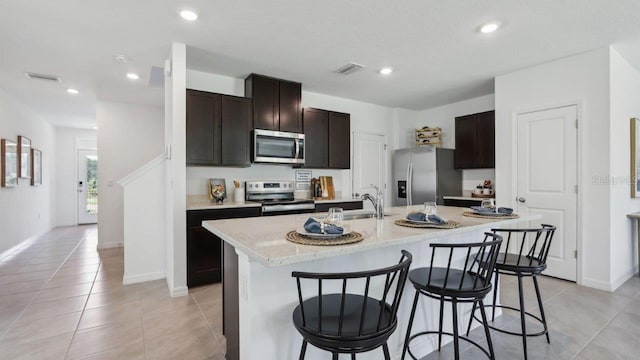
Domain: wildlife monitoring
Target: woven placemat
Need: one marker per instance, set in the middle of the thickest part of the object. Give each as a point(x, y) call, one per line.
point(450, 224)
point(349, 238)
point(476, 215)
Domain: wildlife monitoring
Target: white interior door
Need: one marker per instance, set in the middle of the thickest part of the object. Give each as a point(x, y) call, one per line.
point(87, 187)
point(369, 163)
point(547, 180)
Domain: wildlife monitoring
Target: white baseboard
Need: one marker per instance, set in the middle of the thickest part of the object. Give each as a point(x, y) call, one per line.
point(596, 284)
point(134, 279)
point(623, 278)
point(110, 245)
point(179, 291)
point(23, 244)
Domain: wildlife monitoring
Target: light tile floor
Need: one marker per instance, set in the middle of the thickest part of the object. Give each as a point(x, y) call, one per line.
point(62, 299)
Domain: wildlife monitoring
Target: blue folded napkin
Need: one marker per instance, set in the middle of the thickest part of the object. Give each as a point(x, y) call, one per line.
point(436, 219)
point(314, 226)
point(420, 216)
point(417, 216)
point(505, 210)
point(480, 209)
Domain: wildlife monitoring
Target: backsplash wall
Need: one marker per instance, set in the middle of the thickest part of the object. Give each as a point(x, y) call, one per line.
point(474, 177)
point(197, 176)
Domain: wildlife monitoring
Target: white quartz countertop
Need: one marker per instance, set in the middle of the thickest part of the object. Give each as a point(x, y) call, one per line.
point(199, 202)
point(263, 238)
point(202, 202)
point(465, 198)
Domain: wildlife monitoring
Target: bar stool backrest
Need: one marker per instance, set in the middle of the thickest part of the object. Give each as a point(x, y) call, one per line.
point(396, 274)
point(533, 256)
point(480, 259)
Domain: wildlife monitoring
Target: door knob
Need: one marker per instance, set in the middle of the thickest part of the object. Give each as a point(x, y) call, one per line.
point(522, 200)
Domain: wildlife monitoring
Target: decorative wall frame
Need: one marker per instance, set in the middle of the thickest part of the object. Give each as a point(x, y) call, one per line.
point(8, 163)
point(36, 167)
point(24, 157)
point(635, 157)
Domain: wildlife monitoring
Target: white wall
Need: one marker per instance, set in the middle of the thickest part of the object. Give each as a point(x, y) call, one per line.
point(584, 79)
point(68, 141)
point(26, 212)
point(365, 117)
point(625, 104)
point(175, 137)
point(144, 210)
point(445, 118)
point(129, 136)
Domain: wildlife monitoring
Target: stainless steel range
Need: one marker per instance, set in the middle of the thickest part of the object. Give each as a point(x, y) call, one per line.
point(277, 197)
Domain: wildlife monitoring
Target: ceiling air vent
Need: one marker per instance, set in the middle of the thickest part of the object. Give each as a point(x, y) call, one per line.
point(31, 75)
point(350, 68)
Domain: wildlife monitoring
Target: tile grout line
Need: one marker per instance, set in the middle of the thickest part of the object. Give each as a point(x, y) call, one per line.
point(602, 329)
point(66, 354)
point(208, 324)
point(40, 290)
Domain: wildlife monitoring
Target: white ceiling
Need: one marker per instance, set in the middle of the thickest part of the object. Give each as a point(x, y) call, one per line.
point(435, 49)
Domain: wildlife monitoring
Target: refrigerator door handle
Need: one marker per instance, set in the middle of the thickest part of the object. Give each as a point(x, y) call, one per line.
point(410, 185)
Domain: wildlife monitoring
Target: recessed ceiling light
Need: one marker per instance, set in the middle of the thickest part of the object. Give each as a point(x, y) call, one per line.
point(489, 27)
point(386, 70)
point(72, 91)
point(189, 15)
point(133, 76)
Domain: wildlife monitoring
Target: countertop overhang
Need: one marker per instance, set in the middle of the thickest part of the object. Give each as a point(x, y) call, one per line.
point(263, 238)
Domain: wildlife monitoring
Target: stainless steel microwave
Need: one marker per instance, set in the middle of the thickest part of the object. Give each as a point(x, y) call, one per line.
point(278, 147)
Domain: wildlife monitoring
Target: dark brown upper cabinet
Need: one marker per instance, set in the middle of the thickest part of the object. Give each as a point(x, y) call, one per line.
point(327, 139)
point(218, 129)
point(339, 140)
point(475, 141)
point(277, 104)
point(316, 138)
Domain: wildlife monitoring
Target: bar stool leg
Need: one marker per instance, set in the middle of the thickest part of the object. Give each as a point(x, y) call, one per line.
point(440, 327)
point(522, 317)
point(544, 318)
point(303, 351)
point(385, 349)
point(353, 356)
point(413, 313)
point(335, 356)
point(473, 311)
point(456, 345)
point(495, 297)
point(487, 333)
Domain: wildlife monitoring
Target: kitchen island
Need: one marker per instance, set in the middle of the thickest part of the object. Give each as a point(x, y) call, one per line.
point(260, 294)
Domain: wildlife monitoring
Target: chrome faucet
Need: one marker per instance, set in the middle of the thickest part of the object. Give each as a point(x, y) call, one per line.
point(378, 202)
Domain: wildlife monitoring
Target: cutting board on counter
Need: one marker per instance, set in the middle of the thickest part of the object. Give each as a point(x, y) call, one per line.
point(328, 191)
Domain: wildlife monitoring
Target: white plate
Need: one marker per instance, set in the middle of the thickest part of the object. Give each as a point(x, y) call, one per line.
point(320, 236)
point(417, 222)
point(492, 214)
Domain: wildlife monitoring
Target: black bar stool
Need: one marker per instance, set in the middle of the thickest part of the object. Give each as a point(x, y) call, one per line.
point(347, 323)
point(469, 284)
point(521, 263)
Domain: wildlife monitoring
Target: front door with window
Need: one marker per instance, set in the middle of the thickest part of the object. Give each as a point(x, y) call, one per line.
point(87, 187)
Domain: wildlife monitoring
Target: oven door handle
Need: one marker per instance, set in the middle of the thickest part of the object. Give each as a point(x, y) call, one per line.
point(297, 154)
point(276, 208)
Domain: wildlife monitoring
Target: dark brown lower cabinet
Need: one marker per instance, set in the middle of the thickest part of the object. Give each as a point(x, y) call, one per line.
point(347, 205)
point(204, 250)
point(462, 203)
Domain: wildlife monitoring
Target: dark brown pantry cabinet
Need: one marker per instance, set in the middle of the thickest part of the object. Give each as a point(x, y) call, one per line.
point(327, 136)
point(277, 104)
point(218, 129)
point(475, 141)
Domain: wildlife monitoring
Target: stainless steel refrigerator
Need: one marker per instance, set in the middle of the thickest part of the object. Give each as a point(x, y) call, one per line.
point(424, 174)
